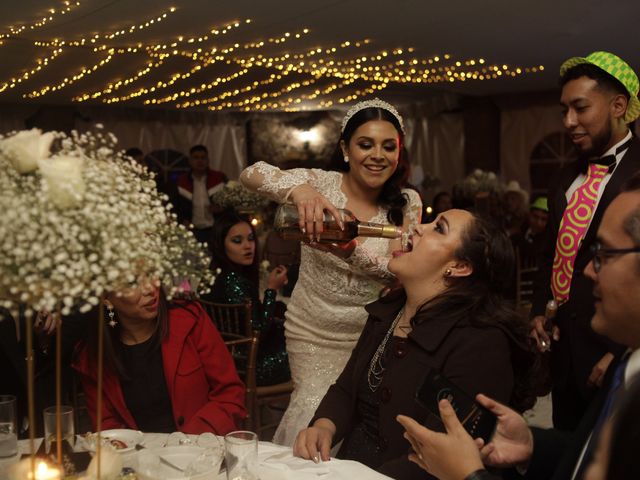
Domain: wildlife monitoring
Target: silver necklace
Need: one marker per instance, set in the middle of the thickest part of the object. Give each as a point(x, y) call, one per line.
point(376, 368)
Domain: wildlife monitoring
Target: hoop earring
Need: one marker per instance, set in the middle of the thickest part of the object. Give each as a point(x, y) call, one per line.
point(112, 321)
point(447, 272)
point(346, 159)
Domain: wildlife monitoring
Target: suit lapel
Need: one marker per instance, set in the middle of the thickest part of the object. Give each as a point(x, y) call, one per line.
point(629, 164)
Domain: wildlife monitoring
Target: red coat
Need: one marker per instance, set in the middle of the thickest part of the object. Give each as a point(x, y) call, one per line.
point(205, 390)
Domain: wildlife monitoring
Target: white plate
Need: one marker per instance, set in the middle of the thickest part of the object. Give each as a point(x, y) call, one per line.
point(130, 437)
point(150, 467)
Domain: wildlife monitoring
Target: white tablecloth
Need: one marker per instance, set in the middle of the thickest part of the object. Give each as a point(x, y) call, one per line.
point(275, 462)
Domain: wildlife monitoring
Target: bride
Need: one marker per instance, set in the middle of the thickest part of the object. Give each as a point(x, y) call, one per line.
point(325, 315)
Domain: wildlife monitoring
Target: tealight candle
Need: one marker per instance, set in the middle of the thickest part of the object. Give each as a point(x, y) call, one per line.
point(45, 472)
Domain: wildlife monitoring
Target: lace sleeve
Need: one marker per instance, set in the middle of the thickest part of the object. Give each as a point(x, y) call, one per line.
point(375, 266)
point(274, 183)
point(413, 211)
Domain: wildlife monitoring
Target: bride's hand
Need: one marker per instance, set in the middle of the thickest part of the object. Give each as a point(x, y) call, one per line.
point(311, 206)
point(340, 250)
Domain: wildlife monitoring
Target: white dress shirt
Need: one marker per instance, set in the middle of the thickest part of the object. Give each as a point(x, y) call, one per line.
point(579, 180)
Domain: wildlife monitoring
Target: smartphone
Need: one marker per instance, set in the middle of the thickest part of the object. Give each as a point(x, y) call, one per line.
point(477, 420)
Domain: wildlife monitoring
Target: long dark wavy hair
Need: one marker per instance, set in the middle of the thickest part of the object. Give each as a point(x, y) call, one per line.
point(480, 299)
point(220, 259)
point(391, 196)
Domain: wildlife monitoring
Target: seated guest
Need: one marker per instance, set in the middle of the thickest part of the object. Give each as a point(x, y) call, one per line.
point(166, 367)
point(616, 455)
point(234, 252)
point(450, 318)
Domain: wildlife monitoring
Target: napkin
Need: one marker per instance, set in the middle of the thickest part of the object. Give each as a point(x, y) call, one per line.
point(278, 463)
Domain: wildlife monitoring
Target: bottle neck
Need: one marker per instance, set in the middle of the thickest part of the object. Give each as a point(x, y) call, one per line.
point(366, 229)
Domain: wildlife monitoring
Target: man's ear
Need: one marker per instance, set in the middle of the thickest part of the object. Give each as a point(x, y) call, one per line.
point(461, 269)
point(619, 106)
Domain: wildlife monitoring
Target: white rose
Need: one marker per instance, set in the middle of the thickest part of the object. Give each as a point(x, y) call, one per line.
point(25, 148)
point(63, 175)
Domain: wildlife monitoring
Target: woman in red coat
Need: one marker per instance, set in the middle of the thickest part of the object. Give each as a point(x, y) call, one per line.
point(166, 367)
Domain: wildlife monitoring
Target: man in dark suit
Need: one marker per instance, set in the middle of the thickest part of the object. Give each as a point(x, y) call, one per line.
point(599, 99)
point(552, 453)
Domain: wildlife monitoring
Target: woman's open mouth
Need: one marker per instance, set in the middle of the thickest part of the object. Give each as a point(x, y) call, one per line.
point(407, 242)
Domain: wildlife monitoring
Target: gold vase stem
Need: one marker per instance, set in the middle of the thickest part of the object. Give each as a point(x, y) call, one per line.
point(58, 321)
point(99, 401)
point(28, 318)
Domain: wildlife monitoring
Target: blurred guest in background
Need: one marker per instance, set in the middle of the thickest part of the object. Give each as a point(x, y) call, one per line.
point(235, 253)
point(515, 201)
point(529, 241)
point(195, 188)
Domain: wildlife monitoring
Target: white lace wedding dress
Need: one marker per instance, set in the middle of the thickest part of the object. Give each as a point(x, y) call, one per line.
point(325, 314)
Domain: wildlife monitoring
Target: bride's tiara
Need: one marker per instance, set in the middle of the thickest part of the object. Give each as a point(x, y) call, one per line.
point(375, 103)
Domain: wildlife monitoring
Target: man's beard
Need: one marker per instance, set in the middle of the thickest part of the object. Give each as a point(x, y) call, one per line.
point(599, 143)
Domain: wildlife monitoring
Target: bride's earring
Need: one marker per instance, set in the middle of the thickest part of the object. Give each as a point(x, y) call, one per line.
point(346, 159)
point(447, 272)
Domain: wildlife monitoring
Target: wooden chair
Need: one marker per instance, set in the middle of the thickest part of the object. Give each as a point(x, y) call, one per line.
point(233, 321)
point(525, 276)
point(275, 397)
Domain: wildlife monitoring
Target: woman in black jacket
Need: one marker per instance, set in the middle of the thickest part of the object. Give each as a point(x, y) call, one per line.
point(451, 318)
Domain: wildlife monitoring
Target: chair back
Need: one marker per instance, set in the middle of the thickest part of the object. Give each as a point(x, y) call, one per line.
point(231, 319)
point(526, 271)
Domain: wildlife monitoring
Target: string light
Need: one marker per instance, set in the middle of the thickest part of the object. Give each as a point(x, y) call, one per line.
point(280, 76)
point(51, 14)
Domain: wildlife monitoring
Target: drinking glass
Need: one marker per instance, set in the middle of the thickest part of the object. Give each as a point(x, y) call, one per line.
point(67, 428)
point(8, 426)
point(241, 455)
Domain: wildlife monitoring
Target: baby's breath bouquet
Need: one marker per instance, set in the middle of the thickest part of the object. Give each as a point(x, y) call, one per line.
point(234, 195)
point(79, 219)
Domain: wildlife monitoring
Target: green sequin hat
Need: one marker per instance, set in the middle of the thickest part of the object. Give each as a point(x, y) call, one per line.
point(541, 203)
point(617, 68)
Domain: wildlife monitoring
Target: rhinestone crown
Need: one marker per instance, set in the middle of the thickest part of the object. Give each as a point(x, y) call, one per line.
point(375, 103)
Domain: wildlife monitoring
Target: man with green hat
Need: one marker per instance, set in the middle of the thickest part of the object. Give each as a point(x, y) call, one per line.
point(599, 100)
point(529, 240)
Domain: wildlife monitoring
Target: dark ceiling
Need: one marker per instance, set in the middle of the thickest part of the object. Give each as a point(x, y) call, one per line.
point(404, 49)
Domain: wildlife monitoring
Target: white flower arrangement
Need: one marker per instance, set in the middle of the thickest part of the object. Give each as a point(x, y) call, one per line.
point(84, 221)
point(235, 195)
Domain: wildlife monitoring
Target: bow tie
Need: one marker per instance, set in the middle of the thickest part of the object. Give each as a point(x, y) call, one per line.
point(610, 160)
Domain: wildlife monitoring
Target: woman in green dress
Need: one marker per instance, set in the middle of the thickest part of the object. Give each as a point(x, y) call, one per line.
point(235, 254)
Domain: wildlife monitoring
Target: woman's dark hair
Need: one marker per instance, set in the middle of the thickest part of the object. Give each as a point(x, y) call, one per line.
point(479, 297)
point(221, 227)
point(625, 436)
point(391, 196)
point(112, 359)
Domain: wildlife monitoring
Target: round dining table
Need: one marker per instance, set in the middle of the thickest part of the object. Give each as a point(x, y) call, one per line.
point(275, 462)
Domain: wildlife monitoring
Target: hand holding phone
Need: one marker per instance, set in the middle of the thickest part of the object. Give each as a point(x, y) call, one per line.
point(477, 420)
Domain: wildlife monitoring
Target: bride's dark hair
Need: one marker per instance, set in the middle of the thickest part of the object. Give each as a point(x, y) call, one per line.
point(391, 196)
